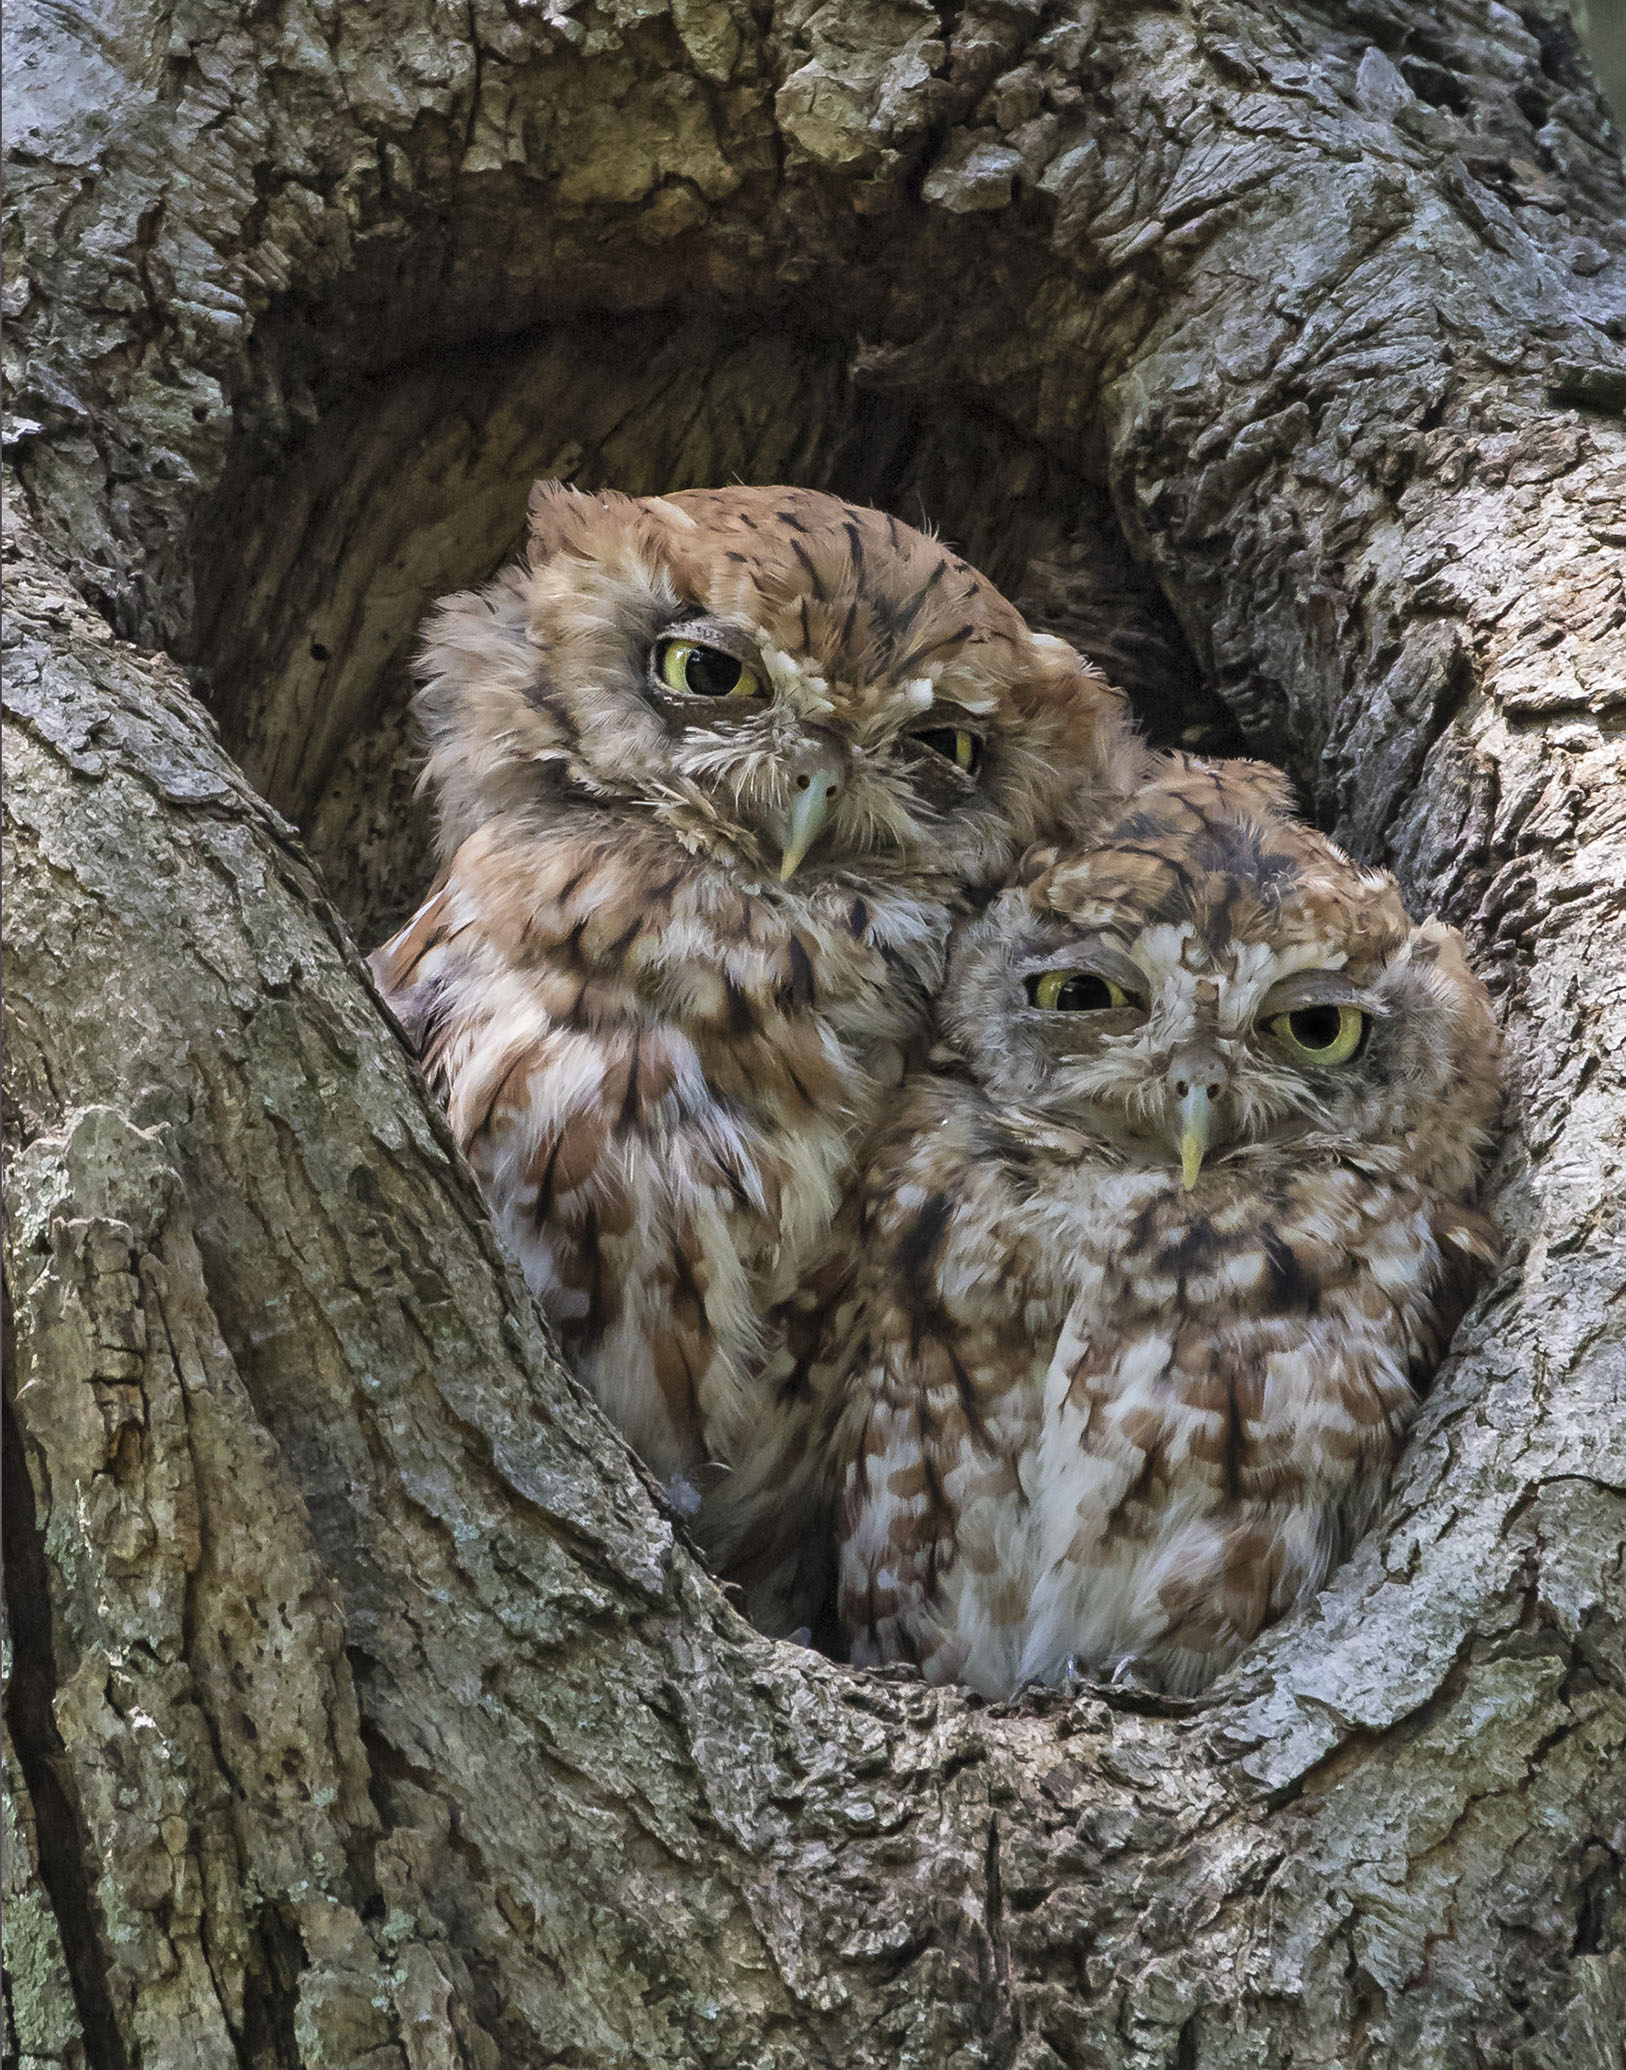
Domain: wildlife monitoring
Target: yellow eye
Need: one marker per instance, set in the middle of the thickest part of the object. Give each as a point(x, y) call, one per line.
point(955, 745)
point(1321, 1034)
point(1075, 991)
point(706, 671)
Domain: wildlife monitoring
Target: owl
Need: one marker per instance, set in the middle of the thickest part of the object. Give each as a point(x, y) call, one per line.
point(1158, 1255)
point(714, 772)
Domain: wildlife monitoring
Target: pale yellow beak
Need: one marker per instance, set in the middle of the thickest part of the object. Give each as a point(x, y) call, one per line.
point(798, 827)
point(1196, 1122)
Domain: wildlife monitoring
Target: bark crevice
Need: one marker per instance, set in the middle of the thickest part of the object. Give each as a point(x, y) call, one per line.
point(64, 1847)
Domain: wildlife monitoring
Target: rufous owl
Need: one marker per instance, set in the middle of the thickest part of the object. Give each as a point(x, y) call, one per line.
point(715, 771)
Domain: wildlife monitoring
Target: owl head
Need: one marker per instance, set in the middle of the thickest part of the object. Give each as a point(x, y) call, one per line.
point(793, 685)
point(1208, 985)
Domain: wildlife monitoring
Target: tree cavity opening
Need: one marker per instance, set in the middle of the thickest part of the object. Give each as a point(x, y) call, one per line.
point(320, 554)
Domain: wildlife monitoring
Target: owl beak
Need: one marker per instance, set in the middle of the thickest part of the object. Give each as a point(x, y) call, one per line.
point(1196, 1112)
point(1198, 1075)
point(808, 812)
point(795, 827)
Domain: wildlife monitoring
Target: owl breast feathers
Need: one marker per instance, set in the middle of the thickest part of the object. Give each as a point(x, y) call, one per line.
point(714, 772)
point(1155, 1264)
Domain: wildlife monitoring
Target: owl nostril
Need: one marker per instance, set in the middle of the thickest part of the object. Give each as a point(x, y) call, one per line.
point(803, 782)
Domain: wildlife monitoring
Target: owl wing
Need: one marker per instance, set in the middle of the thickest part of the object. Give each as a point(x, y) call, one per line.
point(621, 1217)
point(938, 1432)
point(769, 1525)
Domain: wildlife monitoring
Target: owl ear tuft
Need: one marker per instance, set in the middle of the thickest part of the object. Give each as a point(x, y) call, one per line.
point(564, 519)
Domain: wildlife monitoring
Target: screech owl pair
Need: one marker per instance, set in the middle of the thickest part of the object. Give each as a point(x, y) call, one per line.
point(1097, 1325)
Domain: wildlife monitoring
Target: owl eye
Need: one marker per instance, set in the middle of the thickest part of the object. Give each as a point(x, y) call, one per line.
point(955, 745)
point(1075, 991)
point(1322, 1034)
point(705, 671)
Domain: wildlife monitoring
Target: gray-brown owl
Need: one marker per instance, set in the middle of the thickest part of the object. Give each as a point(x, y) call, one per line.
point(714, 771)
point(1156, 1262)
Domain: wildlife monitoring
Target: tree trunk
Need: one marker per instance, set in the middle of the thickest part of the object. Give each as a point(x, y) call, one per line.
point(364, 1704)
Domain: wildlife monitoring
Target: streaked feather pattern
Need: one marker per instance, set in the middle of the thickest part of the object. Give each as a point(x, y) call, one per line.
point(1106, 1421)
point(659, 1031)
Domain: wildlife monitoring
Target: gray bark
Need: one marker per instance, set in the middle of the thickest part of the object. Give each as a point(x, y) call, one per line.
point(363, 1705)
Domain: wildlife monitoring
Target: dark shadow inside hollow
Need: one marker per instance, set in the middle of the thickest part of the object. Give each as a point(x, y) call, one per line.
point(326, 544)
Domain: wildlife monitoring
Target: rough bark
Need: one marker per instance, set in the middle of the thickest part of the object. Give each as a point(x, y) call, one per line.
point(365, 1705)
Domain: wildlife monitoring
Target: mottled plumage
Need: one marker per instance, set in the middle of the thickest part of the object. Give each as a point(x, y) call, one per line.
point(1107, 1416)
point(714, 772)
